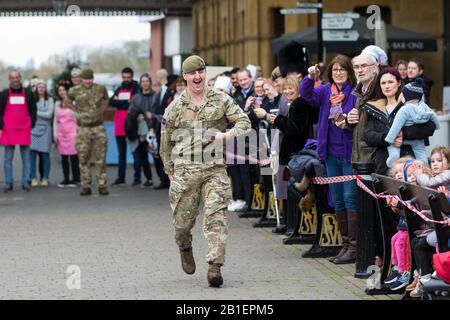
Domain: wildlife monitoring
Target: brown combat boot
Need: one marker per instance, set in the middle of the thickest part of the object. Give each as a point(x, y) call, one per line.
point(187, 260)
point(341, 218)
point(86, 192)
point(103, 191)
point(214, 276)
point(350, 255)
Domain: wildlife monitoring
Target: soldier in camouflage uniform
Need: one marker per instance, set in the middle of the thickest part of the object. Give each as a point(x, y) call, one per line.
point(193, 178)
point(88, 100)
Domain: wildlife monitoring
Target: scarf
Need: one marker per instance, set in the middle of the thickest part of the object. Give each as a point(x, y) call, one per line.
point(336, 99)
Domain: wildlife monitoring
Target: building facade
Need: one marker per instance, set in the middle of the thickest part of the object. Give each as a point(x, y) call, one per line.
point(238, 32)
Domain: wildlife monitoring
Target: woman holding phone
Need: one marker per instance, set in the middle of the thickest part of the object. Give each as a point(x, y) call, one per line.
point(295, 128)
point(334, 146)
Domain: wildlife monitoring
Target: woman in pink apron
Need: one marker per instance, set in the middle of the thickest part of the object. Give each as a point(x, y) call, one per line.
point(121, 101)
point(65, 136)
point(17, 117)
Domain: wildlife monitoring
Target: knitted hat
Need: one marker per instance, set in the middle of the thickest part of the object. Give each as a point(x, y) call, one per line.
point(377, 53)
point(224, 83)
point(252, 70)
point(413, 90)
point(41, 83)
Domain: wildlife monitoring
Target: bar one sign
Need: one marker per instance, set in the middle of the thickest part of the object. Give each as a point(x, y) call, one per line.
point(407, 45)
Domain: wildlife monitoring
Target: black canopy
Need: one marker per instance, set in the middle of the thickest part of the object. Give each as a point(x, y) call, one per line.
point(398, 40)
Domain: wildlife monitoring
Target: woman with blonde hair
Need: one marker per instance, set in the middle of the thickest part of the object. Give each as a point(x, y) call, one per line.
point(295, 128)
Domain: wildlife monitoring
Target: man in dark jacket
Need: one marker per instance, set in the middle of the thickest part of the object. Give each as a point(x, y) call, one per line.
point(159, 105)
point(17, 118)
point(246, 88)
point(121, 101)
point(244, 175)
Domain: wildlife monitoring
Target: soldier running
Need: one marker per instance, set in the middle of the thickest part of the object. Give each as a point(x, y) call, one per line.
point(193, 181)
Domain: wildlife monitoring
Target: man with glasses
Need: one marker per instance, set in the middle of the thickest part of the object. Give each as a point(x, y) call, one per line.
point(366, 69)
point(193, 178)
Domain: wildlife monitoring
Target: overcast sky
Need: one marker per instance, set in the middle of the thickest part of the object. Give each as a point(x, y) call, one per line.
point(40, 37)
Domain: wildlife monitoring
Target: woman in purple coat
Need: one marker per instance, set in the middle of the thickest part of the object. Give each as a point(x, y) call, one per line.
point(335, 100)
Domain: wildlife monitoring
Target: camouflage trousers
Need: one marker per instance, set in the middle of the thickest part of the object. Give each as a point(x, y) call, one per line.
point(191, 185)
point(92, 144)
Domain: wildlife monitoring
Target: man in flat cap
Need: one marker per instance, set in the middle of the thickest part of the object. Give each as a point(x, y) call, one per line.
point(192, 177)
point(89, 101)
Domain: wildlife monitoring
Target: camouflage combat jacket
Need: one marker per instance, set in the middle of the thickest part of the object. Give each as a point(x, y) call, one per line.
point(185, 126)
point(88, 103)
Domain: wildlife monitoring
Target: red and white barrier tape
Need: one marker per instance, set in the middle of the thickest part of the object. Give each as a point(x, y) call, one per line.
point(359, 183)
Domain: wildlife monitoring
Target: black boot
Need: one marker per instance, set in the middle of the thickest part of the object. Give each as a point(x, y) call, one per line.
point(350, 255)
point(341, 218)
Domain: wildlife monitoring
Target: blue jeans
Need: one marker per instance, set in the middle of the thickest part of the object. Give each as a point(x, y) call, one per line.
point(8, 166)
point(344, 194)
point(122, 150)
point(46, 164)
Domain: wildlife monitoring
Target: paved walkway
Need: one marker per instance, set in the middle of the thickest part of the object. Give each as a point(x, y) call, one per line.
point(123, 247)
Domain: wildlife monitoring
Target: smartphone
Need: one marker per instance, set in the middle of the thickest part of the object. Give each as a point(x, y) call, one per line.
point(339, 117)
point(258, 101)
point(274, 111)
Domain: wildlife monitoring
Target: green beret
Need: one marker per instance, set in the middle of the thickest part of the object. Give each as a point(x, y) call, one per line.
point(193, 63)
point(276, 73)
point(87, 73)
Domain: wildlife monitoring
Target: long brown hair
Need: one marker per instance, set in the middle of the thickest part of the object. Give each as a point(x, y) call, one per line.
point(376, 93)
point(345, 63)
